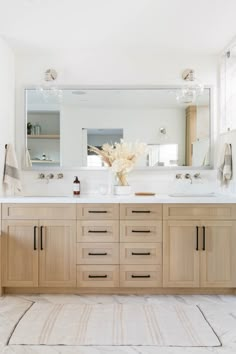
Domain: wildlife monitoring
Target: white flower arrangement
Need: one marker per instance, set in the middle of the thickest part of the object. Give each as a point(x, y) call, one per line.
point(121, 157)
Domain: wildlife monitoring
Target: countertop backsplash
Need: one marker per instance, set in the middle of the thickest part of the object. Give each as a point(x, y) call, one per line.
point(160, 182)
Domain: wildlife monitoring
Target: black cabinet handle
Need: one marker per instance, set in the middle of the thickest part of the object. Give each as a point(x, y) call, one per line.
point(204, 239)
point(97, 276)
point(41, 238)
point(97, 231)
point(197, 228)
point(141, 253)
point(35, 239)
point(97, 254)
point(141, 211)
point(97, 211)
point(141, 231)
point(141, 276)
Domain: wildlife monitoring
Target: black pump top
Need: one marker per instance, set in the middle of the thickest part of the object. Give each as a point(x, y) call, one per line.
point(76, 180)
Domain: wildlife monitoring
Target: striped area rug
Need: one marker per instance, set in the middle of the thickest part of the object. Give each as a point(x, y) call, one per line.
point(114, 324)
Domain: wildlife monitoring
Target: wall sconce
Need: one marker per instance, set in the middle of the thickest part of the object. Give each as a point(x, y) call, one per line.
point(48, 89)
point(192, 89)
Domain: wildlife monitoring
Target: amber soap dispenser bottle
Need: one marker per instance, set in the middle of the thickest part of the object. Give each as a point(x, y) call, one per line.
point(76, 186)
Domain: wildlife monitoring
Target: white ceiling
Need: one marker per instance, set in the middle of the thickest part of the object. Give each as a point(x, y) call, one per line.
point(202, 26)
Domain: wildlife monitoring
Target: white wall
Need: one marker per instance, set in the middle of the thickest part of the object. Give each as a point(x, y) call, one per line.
point(7, 104)
point(111, 68)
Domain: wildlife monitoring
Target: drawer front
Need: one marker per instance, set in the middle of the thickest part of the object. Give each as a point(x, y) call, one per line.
point(39, 211)
point(198, 211)
point(98, 211)
point(141, 231)
point(141, 253)
point(141, 211)
point(98, 231)
point(97, 253)
point(89, 276)
point(144, 276)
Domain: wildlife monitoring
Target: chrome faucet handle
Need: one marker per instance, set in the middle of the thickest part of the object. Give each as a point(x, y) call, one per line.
point(50, 176)
point(41, 175)
point(60, 175)
point(188, 176)
point(197, 175)
point(178, 176)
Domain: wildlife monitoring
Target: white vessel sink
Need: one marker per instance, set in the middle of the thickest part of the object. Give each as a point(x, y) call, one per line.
point(192, 195)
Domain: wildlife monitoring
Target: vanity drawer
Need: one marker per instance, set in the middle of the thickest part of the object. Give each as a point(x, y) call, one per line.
point(141, 211)
point(97, 253)
point(198, 211)
point(98, 211)
point(141, 231)
point(98, 231)
point(144, 276)
point(98, 276)
point(39, 211)
point(141, 253)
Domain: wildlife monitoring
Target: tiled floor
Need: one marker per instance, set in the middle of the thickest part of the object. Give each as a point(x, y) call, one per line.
point(220, 311)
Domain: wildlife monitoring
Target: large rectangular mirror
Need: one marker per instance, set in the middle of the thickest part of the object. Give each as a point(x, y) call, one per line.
point(60, 124)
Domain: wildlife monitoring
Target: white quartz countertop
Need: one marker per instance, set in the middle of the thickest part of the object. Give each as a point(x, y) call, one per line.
point(95, 198)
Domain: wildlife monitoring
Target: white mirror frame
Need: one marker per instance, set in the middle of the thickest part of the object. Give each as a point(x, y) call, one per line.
point(212, 133)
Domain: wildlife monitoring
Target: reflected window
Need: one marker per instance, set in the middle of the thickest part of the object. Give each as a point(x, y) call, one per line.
point(162, 155)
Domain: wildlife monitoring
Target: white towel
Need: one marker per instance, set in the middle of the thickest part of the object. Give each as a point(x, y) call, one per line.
point(28, 162)
point(225, 164)
point(11, 175)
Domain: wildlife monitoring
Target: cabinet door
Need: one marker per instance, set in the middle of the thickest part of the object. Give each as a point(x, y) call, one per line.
point(180, 254)
point(20, 253)
point(217, 262)
point(57, 253)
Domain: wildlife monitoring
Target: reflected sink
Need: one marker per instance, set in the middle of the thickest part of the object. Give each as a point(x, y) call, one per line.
point(192, 195)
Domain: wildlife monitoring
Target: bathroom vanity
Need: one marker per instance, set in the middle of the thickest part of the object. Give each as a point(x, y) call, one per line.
point(118, 245)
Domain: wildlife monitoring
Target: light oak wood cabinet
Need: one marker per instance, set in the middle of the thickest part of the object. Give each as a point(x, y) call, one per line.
point(199, 252)
point(97, 249)
point(98, 246)
point(217, 257)
point(20, 253)
point(38, 252)
point(57, 256)
point(180, 255)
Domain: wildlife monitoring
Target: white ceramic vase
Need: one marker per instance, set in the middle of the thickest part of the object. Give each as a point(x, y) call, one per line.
point(122, 190)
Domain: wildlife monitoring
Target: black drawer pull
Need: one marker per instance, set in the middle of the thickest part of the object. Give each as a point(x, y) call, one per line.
point(97, 276)
point(204, 239)
point(97, 254)
point(41, 238)
point(141, 231)
point(35, 241)
point(97, 231)
point(197, 249)
point(141, 211)
point(141, 253)
point(141, 276)
point(97, 211)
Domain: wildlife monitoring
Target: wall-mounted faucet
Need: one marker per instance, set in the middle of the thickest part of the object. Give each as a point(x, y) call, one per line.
point(41, 176)
point(188, 176)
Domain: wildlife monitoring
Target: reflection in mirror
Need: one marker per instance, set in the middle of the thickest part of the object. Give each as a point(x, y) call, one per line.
point(162, 155)
point(98, 137)
point(60, 128)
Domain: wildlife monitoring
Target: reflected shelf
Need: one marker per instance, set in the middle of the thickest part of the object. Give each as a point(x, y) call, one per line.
point(43, 136)
point(45, 162)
